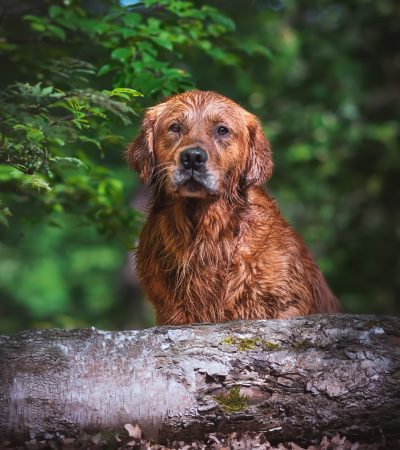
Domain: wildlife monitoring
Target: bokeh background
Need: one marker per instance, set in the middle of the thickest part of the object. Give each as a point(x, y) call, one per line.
point(323, 76)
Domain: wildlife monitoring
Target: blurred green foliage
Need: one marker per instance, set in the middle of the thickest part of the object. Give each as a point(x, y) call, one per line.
point(322, 76)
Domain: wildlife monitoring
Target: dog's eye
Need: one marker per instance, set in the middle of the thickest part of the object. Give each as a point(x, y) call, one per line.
point(175, 128)
point(222, 131)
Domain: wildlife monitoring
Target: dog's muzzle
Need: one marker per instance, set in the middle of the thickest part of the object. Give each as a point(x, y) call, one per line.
point(192, 174)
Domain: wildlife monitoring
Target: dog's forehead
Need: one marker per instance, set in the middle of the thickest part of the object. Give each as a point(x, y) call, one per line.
point(200, 105)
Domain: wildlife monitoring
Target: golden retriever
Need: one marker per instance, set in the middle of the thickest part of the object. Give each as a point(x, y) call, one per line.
point(215, 246)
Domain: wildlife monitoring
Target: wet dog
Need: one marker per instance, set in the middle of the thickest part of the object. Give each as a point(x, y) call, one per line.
point(215, 246)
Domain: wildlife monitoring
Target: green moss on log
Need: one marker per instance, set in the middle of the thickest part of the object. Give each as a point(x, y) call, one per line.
point(245, 344)
point(270, 345)
point(233, 401)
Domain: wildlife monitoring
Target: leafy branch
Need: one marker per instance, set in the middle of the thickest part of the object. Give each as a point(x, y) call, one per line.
point(67, 113)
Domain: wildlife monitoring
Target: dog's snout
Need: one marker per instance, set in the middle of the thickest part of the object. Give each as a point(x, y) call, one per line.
point(193, 158)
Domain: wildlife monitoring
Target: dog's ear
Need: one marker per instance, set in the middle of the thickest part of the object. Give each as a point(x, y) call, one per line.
point(259, 163)
point(140, 153)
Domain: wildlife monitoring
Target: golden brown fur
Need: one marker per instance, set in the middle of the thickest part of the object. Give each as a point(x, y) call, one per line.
point(215, 247)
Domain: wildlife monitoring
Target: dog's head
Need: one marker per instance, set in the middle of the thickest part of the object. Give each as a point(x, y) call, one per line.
point(200, 144)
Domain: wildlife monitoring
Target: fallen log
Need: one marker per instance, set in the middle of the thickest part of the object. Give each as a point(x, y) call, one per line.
point(295, 380)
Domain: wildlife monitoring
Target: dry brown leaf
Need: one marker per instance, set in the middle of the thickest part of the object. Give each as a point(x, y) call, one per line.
point(134, 431)
point(324, 443)
point(337, 440)
point(294, 446)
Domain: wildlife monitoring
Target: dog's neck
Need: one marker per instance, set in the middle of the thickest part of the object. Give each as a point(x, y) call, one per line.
point(214, 216)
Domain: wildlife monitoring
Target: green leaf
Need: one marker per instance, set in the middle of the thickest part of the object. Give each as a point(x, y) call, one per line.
point(153, 25)
point(57, 31)
point(58, 141)
point(131, 19)
point(163, 42)
point(5, 213)
point(122, 54)
point(36, 181)
point(38, 26)
point(104, 69)
point(47, 90)
point(83, 138)
point(55, 11)
point(119, 92)
point(70, 160)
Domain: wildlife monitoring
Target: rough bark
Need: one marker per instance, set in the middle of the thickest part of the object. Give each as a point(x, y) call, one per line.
point(293, 379)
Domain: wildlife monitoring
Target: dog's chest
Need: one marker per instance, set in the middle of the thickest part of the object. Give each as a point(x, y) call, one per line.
point(200, 278)
point(208, 271)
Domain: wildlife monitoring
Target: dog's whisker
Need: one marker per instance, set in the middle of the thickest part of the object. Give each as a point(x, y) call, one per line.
point(163, 165)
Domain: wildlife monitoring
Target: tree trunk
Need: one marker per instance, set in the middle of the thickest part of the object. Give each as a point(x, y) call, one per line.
point(293, 379)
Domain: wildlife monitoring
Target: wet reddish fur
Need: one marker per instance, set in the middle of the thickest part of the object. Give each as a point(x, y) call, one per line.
point(227, 257)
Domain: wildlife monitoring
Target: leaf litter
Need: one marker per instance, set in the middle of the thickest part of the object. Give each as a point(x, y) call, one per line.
point(131, 438)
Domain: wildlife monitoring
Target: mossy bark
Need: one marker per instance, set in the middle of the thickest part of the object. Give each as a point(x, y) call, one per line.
point(293, 379)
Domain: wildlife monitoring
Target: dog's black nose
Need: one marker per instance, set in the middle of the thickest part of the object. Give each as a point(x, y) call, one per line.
point(193, 158)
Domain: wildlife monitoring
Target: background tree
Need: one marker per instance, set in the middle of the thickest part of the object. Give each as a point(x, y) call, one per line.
point(322, 77)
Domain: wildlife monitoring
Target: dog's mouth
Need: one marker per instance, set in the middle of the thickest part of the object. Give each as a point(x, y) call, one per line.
point(190, 183)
